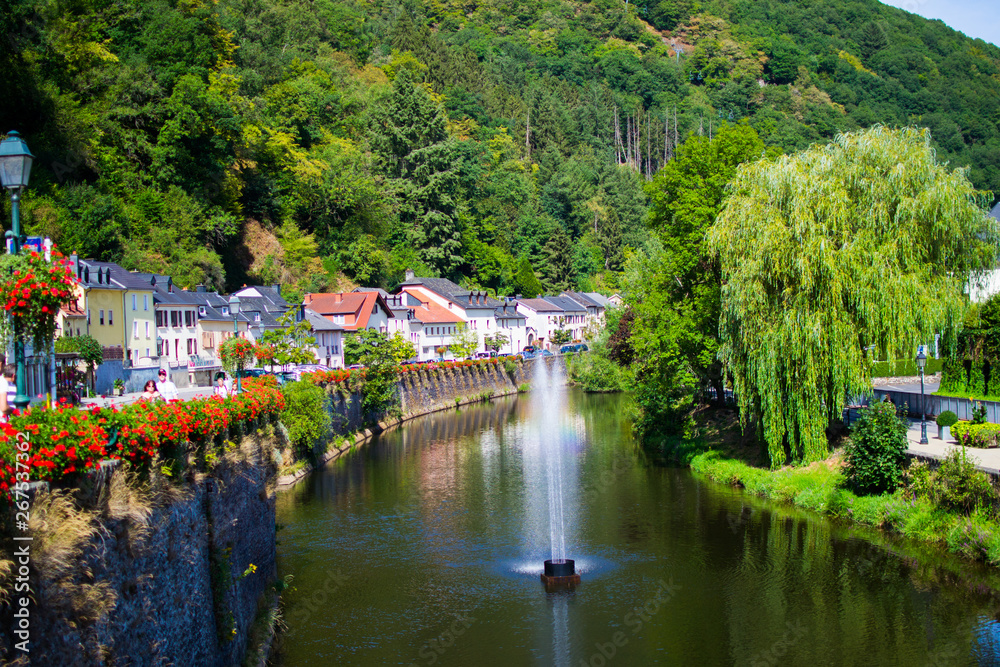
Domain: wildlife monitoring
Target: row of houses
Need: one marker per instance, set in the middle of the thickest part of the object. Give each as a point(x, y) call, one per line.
point(144, 320)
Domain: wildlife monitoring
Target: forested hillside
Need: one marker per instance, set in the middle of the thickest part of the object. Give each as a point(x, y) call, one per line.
point(498, 143)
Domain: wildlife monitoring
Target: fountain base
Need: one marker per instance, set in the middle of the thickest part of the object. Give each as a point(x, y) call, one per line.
point(560, 574)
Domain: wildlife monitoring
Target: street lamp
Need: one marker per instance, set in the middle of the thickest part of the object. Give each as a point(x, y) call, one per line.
point(15, 168)
point(234, 309)
point(921, 362)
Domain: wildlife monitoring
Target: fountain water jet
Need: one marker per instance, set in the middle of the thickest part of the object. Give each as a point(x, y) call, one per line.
point(548, 396)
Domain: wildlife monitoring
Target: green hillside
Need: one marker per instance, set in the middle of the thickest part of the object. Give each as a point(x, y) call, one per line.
point(315, 143)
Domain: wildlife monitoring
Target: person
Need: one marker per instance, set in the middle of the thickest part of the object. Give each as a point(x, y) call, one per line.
point(8, 390)
point(220, 385)
point(150, 392)
point(229, 382)
point(166, 387)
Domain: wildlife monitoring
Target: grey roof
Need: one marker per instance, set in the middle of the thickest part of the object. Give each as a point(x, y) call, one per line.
point(540, 305)
point(599, 299)
point(92, 273)
point(270, 297)
point(454, 292)
point(566, 304)
point(508, 310)
point(582, 299)
point(320, 323)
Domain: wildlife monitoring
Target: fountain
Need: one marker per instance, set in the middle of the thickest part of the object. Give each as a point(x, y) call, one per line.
point(548, 396)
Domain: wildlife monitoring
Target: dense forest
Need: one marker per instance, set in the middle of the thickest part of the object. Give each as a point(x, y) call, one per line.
point(506, 145)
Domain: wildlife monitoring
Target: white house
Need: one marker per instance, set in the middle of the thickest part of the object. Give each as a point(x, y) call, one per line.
point(329, 349)
point(352, 310)
point(514, 325)
point(541, 318)
point(475, 308)
point(573, 318)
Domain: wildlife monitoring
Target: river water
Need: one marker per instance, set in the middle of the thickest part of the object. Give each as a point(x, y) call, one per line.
point(425, 548)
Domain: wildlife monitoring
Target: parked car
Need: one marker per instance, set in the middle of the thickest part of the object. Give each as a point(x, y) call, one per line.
point(545, 353)
point(573, 347)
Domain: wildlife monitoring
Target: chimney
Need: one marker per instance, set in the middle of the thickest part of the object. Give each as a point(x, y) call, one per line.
point(410, 275)
point(338, 297)
point(308, 298)
point(200, 288)
point(277, 288)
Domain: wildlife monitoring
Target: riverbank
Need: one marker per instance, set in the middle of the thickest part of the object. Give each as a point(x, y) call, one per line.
point(820, 487)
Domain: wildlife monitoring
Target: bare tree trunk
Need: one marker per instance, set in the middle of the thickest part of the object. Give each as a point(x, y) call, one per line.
point(527, 135)
point(628, 135)
point(676, 137)
point(618, 138)
point(701, 126)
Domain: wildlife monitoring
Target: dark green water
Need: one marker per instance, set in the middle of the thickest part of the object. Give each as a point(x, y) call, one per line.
point(425, 548)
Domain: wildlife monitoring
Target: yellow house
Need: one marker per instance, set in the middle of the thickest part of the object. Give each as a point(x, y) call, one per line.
point(104, 304)
point(140, 321)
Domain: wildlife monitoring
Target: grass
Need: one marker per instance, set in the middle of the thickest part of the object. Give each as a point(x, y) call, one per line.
point(818, 487)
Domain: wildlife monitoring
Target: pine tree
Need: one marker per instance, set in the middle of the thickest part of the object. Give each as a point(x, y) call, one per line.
point(409, 135)
point(557, 274)
point(525, 281)
point(872, 40)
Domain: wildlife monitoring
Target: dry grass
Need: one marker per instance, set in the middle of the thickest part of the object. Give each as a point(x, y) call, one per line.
point(62, 533)
point(128, 501)
point(6, 579)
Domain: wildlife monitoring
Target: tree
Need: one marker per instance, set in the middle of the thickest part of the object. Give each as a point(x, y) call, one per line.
point(557, 273)
point(872, 40)
point(292, 345)
point(381, 355)
point(868, 241)
point(525, 281)
point(495, 341)
point(409, 134)
point(87, 347)
point(560, 336)
point(686, 197)
point(465, 342)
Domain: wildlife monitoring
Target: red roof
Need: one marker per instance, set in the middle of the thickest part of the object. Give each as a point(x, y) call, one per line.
point(359, 304)
point(431, 313)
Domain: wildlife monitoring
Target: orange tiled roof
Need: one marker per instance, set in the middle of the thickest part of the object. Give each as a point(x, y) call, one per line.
point(360, 304)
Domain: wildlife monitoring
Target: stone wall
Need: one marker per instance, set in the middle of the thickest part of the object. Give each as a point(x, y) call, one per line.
point(158, 579)
point(424, 391)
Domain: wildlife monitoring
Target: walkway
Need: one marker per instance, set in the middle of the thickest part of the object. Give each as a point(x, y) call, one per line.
point(184, 394)
point(987, 460)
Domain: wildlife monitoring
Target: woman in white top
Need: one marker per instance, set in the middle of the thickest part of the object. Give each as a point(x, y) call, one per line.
point(220, 386)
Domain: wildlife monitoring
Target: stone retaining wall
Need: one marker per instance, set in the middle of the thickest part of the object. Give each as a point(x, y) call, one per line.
point(165, 587)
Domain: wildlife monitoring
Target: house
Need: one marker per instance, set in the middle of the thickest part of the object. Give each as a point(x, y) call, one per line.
point(541, 319)
point(991, 282)
point(103, 302)
point(615, 300)
point(214, 325)
point(475, 308)
point(595, 308)
point(262, 305)
point(432, 330)
point(573, 318)
point(513, 324)
point(329, 349)
point(352, 310)
point(399, 313)
point(140, 322)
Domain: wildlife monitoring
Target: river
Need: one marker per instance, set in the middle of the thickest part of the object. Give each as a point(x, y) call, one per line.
point(425, 546)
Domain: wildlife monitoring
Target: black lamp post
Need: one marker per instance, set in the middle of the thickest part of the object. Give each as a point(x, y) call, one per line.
point(921, 362)
point(15, 168)
point(234, 309)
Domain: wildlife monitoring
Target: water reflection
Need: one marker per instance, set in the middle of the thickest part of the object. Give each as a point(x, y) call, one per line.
point(437, 521)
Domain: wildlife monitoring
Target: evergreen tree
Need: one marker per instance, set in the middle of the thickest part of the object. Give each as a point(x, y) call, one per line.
point(557, 274)
point(872, 40)
point(525, 281)
point(409, 134)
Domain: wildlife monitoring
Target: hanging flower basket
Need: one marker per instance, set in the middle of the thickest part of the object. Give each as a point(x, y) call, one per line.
point(31, 291)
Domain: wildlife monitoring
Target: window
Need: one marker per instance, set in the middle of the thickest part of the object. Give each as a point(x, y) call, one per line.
point(189, 318)
point(102, 317)
point(88, 317)
point(225, 310)
point(135, 300)
point(145, 304)
point(147, 331)
point(174, 319)
point(111, 317)
point(135, 329)
point(189, 342)
point(147, 351)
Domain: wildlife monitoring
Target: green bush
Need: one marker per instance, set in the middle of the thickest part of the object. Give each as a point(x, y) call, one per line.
point(305, 416)
point(596, 373)
point(875, 453)
point(906, 368)
point(947, 418)
point(510, 367)
point(976, 435)
point(977, 380)
point(959, 486)
point(953, 375)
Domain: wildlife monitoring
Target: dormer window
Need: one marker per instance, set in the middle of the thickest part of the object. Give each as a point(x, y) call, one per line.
point(86, 275)
point(225, 310)
point(256, 317)
point(202, 311)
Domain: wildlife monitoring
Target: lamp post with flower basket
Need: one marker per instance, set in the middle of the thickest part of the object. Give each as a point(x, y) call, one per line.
point(15, 168)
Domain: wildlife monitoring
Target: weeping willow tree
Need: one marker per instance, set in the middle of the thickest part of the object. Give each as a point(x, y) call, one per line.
point(830, 256)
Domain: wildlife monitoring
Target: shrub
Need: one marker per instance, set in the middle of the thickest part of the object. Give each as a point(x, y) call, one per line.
point(977, 380)
point(304, 415)
point(959, 486)
point(978, 412)
point(875, 453)
point(976, 435)
point(953, 376)
point(947, 418)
